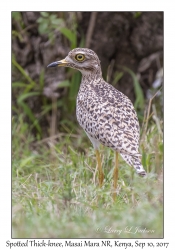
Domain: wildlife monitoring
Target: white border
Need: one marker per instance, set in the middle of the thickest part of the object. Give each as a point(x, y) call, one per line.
point(5, 96)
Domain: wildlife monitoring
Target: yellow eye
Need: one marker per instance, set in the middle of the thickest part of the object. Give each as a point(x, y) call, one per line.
point(80, 57)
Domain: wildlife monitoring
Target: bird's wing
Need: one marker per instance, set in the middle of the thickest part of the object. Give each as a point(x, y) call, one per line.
point(110, 118)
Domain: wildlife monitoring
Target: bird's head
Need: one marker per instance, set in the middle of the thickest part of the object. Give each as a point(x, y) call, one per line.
point(82, 59)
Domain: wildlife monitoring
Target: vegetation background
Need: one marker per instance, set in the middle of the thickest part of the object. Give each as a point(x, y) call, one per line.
point(55, 190)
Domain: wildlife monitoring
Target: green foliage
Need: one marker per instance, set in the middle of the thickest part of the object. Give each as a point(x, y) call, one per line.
point(27, 90)
point(17, 16)
point(50, 23)
point(73, 91)
point(61, 184)
point(26, 76)
point(63, 84)
point(117, 77)
point(137, 14)
point(139, 102)
point(71, 35)
point(25, 94)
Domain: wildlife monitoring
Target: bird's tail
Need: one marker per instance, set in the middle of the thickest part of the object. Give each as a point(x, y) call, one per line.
point(135, 162)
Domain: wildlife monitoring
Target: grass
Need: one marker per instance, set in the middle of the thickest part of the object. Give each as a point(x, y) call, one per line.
point(55, 191)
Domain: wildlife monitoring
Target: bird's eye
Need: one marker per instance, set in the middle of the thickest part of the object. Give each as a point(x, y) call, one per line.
point(80, 57)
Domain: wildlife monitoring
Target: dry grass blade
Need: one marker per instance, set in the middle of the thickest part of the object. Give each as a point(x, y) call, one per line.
point(90, 28)
point(148, 115)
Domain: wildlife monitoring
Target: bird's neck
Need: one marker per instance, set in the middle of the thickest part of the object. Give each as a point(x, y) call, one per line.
point(92, 76)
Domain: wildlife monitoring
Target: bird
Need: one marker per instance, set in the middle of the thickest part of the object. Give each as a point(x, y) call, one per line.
point(107, 115)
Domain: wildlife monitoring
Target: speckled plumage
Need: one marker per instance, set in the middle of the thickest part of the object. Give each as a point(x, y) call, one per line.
point(107, 115)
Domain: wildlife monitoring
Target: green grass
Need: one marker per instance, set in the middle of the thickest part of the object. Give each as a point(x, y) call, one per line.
point(55, 191)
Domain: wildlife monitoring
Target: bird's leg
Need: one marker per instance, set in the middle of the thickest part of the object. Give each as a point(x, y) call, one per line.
point(100, 171)
point(115, 174)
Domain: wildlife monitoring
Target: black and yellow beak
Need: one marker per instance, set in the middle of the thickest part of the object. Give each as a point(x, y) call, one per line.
point(58, 63)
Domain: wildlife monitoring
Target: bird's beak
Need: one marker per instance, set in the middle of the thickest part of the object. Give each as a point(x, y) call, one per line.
point(58, 63)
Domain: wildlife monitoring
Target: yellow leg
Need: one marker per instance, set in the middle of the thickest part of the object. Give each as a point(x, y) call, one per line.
point(115, 175)
point(100, 171)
